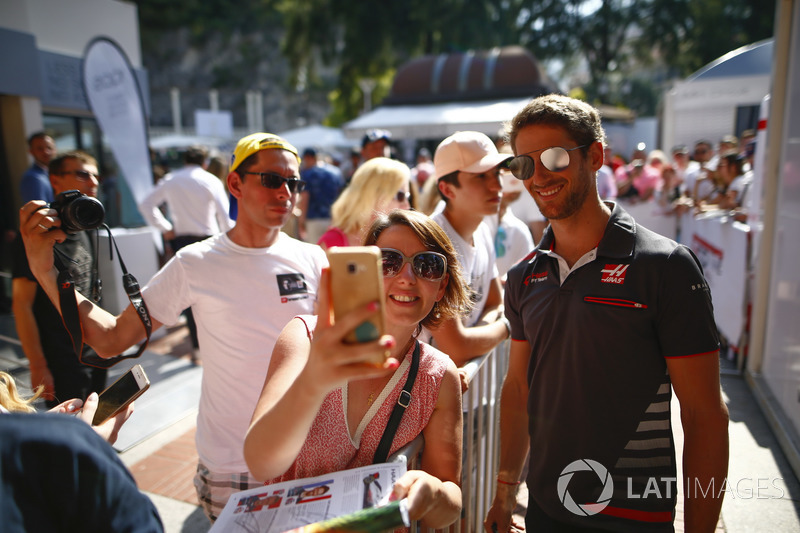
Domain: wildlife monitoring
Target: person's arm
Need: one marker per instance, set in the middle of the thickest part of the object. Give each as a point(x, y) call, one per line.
point(109, 429)
point(302, 206)
point(151, 212)
point(301, 373)
point(514, 438)
point(109, 335)
point(463, 343)
point(23, 294)
point(223, 208)
point(434, 492)
point(704, 418)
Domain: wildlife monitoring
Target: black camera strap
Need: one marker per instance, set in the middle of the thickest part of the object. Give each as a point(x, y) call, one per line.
point(385, 445)
point(71, 317)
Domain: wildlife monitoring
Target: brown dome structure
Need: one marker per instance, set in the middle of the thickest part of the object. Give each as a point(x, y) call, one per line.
point(508, 72)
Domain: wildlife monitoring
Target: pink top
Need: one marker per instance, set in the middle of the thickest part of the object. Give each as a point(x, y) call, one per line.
point(328, 446)
point(334, 237)
point(650, 178)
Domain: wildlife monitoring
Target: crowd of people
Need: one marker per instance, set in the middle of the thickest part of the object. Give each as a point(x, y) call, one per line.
point(712, 177)
point(593, 304)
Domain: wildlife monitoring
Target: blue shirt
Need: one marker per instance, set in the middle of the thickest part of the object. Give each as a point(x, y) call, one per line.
point(35, 185)
point(57, 474)
point(323, 183)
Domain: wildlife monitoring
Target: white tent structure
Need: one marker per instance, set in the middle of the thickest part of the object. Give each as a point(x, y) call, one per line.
point(716, 100)
point(433, 96)
point(318, 136)
point(437, 121)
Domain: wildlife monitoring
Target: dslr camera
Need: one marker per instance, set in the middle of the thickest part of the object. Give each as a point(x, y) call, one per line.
point(78, 212)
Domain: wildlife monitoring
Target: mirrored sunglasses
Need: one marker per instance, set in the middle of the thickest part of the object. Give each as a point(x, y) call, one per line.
point(430, 266)
point(275, 181)
point(554, 159)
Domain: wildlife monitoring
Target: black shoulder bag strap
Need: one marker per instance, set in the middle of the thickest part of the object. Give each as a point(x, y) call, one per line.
point(71, 317)
point(382, 453)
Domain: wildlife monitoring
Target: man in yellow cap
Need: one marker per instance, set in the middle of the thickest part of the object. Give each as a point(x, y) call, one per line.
point(243, 286)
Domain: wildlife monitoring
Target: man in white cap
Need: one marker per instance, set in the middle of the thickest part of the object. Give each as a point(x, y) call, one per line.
point(467, 167)
point(243, 287)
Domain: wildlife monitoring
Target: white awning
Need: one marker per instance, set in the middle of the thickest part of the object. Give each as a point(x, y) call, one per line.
point(437, 121)
point(318, 136)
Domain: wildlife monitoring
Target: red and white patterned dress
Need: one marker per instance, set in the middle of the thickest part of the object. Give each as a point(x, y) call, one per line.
point(328, 446)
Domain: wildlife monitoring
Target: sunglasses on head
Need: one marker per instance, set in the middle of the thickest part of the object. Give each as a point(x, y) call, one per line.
point(430, 266)
point(275, 181)
point(554, 159)
point(83, 175)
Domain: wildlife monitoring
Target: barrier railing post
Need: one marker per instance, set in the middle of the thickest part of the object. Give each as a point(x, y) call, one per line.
point(481, 405)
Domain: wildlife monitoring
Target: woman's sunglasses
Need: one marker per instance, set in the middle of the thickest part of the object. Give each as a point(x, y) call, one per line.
point(402, 196)
point(554, 159)
point(430, 266)
point(274, 181)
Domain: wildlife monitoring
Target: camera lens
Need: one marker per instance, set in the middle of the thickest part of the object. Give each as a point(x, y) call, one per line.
point(78, 212)
point(88, 213)
point(351, 268)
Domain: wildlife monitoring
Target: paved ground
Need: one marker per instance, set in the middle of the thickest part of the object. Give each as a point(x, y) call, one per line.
point(762, 493)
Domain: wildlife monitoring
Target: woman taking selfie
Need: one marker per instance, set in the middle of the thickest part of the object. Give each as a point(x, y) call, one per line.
point(324, 409)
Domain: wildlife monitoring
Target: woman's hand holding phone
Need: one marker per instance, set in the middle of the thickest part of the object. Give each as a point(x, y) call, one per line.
point(332, 360)
point(109, 429)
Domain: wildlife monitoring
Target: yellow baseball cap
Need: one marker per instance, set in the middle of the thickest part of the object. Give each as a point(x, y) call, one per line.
point(256, 142)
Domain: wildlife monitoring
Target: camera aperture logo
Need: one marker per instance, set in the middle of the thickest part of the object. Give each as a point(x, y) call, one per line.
point(585, 465)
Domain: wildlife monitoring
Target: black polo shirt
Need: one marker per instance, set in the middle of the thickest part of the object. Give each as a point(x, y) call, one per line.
point(599, 403)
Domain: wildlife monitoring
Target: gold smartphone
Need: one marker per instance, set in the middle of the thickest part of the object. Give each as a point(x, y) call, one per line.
point(356, 280)
point(120, 394)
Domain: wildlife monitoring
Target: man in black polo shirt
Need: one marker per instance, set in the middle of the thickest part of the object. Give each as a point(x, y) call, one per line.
point(607, 318)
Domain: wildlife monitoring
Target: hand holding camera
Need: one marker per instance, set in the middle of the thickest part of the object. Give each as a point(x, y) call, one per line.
point(78, 212)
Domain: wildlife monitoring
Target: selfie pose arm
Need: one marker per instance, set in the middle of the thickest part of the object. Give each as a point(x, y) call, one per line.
point(107, 334)
point(23, 294)
point(301, 373)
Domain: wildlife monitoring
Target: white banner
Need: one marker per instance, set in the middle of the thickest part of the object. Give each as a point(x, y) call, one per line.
point(116, 102)
point(721, 246)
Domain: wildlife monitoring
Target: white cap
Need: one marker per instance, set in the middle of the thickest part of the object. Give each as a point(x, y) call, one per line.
point(466, 151)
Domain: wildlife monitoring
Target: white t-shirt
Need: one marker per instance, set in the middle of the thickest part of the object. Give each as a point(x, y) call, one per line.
point(241, 299)
point(526, 209)
point(740, 185)
point(196, 201)
point(477, 263)
point(512, 240)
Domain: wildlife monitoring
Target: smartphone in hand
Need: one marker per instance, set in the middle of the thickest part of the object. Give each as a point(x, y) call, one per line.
point(120, 394)
point(357, 280)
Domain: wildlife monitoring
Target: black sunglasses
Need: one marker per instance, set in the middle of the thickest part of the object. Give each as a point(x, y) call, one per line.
point(554, 159)
point(403, 196)
point(430, 266)
point(83, 175)
point(275, 181)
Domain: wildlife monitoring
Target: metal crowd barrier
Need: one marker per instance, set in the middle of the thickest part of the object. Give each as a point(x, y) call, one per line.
point(481, 451)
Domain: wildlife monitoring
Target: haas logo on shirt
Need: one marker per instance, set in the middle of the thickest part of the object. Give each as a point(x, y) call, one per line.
point(292, 287)
point(614, 274)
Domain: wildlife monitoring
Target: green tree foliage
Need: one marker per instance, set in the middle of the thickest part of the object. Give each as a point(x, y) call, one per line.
point(690, 34)
point(626, 45)
point(371, 39)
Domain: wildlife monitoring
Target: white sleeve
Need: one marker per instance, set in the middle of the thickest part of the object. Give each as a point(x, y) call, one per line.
point(149, 207)
point(222, 206)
